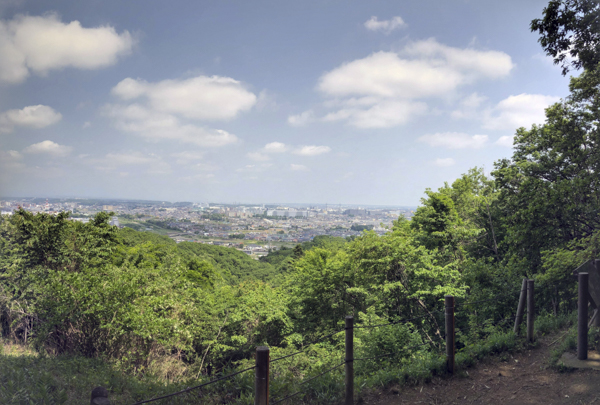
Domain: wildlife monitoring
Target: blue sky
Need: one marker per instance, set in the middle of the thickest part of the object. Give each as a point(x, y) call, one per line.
point(266, 101)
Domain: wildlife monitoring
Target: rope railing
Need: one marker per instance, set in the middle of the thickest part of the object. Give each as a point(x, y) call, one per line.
point(307, 381)
point(391, 353)
point(468, 303)
point(262, 353)
point(394, 322)
point(195, 387)
point(307, 346)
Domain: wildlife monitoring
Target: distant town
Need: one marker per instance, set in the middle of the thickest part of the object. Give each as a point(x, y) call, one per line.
point(253, 229)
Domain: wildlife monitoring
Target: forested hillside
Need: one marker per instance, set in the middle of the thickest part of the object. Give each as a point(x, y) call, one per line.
point(138, 298)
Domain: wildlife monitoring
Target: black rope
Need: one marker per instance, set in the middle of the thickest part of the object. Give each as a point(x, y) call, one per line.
point(307, 346)
point(491, 299)
point(197, 386)
point(323, 373)
point(465, 304)
point(392, 353)
point(288, 397)
point(396, 322)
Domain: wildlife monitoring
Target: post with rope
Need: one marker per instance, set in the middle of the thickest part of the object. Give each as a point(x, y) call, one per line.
point(349, 360)
point(261, 382)
point(530, 310)
point(450, 343)
point(521, 306)
point(582, 316)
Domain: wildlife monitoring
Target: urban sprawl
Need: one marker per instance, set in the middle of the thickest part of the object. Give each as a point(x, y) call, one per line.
point(253, 229)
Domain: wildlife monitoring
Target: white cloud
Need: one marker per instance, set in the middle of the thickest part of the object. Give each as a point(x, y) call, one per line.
point(135, 158)
point(34, 116)
point(301, 119)
point(454, 140)
point(254, 168)
point(312, 150)
point(275, 147)
point(506, 140)
point(387, 89)
point(48, 148)
point(86, 124)
point(184, 158)
point(154, 126)
point(298, 168)
point(468, 107)
point(197, 177)
point(199, 98)
point(521, 110)
point(444, 162)
point(257, 156)
point(270, 148)
point(471, 63)
point(384, 114)
point(423, 69)
point(162, 110)
point(41, 44)
point(385, 26)
point(151, 163)
point(11, 160)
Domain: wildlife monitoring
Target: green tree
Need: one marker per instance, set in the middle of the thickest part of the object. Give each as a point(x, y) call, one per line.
point(298, 252)
point(570, 33)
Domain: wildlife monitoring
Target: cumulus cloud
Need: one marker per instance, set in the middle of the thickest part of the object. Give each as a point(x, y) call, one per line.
point(468, 108)
point(11, 160)
point(454, 140)
point(163, 110)
point(301, 119)
point(275, 147)
point(386, 26)
point(521, 110)
point(312, 150)
point(151, 163)
point(155, 126)
point(423, 69)
point(48, 148)
point(506, 141)
point(387, 89)
point(199, 98)
point(34, 116)
point(135, 158)
point(298, 168)
point(444, 162)
point(254, 168)
point(184, 158)
point(40, 44)
point(382, 114)
point(258, 156)
point(264, 153)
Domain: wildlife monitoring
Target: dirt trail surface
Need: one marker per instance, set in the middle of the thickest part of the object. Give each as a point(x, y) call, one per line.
point(518, 378)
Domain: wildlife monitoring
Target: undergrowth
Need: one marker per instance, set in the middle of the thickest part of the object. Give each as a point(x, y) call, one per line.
point(28, 377)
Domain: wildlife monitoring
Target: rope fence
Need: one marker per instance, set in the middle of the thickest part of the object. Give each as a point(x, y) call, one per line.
point(262, 359)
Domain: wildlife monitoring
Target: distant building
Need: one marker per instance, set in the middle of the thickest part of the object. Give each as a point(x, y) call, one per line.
point(114, 221)
point(108, 208)
point(356, 212)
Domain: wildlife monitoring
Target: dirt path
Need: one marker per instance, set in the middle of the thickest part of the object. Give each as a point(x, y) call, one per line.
point(522, 378)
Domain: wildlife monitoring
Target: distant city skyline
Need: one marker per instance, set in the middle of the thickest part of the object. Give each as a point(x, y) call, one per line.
point(232, 203)
point(361, 103)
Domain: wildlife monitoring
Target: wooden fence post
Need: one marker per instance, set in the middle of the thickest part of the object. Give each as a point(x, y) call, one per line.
point(530, 310)
point(521, 307)
point(450, 344)
point(261, 381)
point(582, 316)
point(349, 360)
